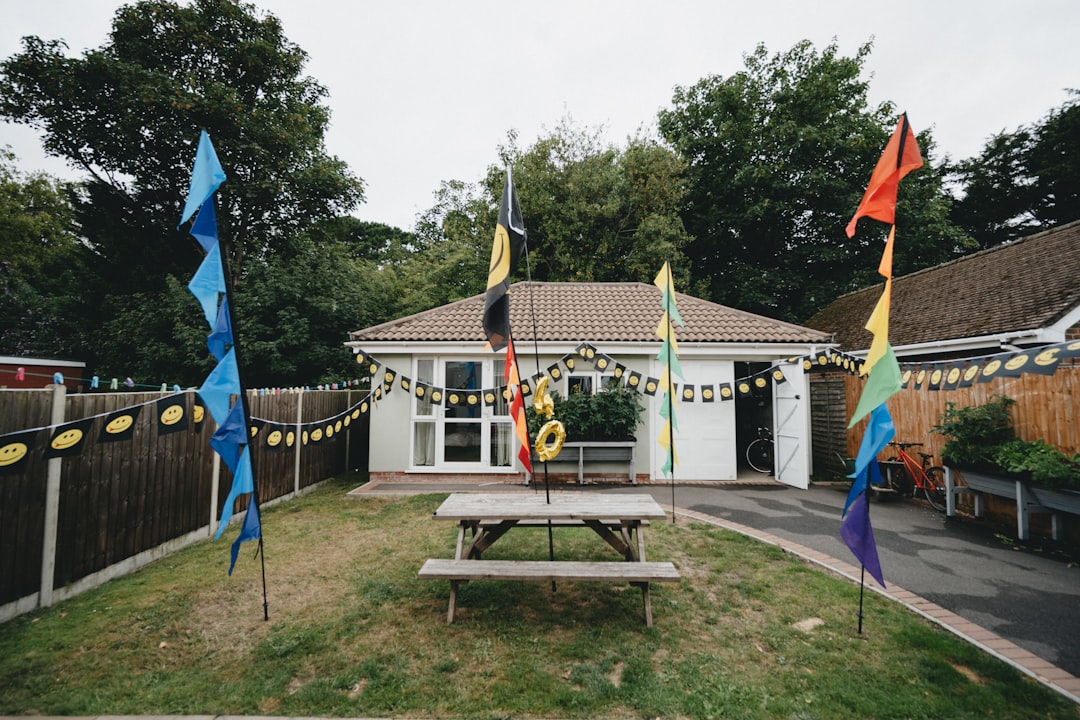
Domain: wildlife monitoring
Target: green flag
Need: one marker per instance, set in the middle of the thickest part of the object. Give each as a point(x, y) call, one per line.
point(883, 382)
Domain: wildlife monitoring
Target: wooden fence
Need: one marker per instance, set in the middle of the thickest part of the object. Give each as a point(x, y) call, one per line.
point(1046, 407)
point(68, 524)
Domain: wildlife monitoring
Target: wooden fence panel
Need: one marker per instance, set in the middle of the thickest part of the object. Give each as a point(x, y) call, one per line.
point(22, 497)
point(120, 499)
point(1045, 408)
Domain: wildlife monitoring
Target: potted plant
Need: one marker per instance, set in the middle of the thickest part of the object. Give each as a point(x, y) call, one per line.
point(983, 446)
point(611, 414)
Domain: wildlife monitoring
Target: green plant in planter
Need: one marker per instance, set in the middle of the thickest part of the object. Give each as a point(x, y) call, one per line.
point(611, 414)
point(982, 438)
point(974, 432)
point(1039, 462)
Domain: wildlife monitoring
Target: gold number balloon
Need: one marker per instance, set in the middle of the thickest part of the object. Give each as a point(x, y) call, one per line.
point(542, 402)
point(549, 451)
point(544, 405)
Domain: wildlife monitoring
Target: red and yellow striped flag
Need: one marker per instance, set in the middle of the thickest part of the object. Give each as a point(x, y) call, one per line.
point(517, 406)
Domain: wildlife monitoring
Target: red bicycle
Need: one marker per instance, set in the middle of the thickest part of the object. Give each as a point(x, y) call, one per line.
point(905, 475)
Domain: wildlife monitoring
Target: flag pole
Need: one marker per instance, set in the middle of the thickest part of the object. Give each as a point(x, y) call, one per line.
point(225, 248)
point(671, 401)
point(862, 585)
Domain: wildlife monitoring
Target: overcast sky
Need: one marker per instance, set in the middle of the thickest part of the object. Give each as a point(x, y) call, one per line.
point(425, 91)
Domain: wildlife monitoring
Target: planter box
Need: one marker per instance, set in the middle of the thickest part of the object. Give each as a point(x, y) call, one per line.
point(1029, 498)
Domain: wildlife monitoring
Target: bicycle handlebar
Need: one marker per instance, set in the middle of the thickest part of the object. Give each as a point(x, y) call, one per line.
point(905, 446)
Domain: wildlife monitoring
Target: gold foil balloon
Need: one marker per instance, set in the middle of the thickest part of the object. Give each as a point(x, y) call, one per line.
point(549, 451)
point(542, 402)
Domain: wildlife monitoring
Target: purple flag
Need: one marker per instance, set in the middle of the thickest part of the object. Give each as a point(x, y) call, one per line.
point(859, 537)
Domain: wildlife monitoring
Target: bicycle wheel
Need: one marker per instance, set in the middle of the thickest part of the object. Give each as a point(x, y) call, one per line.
point(935, 490)
point(760, 455)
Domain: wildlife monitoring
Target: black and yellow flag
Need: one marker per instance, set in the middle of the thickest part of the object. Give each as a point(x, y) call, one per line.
point(119, 425)
point(505, 252)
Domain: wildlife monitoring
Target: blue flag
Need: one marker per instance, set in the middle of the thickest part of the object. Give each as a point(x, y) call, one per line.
point(220, 385)
point(206, 176)
point(250, 530)
point(204, 229)
point(221, 336)
point(242, 484)
point(231, 437)
point(208, 284)
point(879, 431)
point(858, 535)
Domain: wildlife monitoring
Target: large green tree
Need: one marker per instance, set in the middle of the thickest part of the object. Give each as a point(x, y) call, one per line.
point(43, 266)
point(128, 114)
point(1023, 181)
point(778, 156)
point(593, 213)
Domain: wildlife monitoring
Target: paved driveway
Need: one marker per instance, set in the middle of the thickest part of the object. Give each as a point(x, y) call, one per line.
point(1032, 600)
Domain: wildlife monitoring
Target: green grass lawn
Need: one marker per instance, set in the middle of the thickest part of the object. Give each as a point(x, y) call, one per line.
point(354, 632)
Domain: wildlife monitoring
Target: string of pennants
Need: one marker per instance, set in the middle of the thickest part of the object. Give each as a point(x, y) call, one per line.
point(174, 413)
point(939, 375)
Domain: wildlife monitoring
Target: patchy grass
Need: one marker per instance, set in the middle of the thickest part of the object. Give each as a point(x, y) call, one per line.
point(750, 632)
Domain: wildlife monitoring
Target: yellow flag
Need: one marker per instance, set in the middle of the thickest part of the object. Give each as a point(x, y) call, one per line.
point(878, 325)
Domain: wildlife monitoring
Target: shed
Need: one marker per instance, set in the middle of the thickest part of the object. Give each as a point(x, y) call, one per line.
point(444, 348)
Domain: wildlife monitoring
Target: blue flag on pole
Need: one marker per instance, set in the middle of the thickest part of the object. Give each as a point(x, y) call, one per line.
point(221, 336)
point(208, 284)
point(250, 530)
point(206, 176)
point(204, 229)
point(879, 431)
point(220, 385)
point(242, 484)
point(231, 437)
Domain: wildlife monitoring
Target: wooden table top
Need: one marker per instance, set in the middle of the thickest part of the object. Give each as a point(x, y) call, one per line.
point(563, 506)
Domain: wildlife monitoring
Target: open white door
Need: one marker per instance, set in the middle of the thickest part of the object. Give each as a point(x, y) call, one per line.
point(791, 431)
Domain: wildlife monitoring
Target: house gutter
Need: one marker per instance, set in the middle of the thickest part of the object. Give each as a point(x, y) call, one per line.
point(995, 341)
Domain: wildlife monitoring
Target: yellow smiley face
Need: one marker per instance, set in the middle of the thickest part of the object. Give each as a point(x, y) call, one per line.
point(67, 439)
point(329, 431)
point(198, 413)
point(356, 413)
point(290, 438)
point(172, 414)
point(274, 438)
point(316, 435)
point(119, 424)
point(12, 453)
point(337, 426)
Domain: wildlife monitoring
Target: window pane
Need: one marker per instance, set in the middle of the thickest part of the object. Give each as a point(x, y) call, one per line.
point(579, 383)
point(425, 373)
point(462, 442)
point(424, 443)
point(464, 375)
point(502, 444)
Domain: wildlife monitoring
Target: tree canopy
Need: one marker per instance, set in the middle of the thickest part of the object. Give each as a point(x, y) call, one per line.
point(129, 113)
point(778, 158)
point(1023, 181)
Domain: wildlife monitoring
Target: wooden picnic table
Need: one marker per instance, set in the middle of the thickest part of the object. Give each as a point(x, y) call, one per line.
point(617, 518)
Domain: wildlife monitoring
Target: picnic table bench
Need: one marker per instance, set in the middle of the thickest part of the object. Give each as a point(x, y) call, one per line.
point(618, 519)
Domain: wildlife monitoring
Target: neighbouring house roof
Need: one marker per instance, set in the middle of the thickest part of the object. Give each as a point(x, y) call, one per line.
point(1027, 284)
point(590, 312)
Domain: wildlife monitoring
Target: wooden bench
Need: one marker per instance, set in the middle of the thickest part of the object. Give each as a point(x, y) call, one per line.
point(635, 573)
point(594, 451)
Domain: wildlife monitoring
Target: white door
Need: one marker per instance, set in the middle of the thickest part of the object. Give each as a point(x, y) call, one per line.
point(791, 426)
point(705, 440)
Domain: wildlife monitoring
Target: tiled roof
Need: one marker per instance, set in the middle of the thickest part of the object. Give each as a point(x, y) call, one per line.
point(1023, 285)
point(590, 312)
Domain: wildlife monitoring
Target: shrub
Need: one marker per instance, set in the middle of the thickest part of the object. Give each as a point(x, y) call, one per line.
point(613, 413)
point(981, 437)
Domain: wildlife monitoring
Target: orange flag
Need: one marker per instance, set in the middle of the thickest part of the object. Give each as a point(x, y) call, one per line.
point(901, 156)
point(517, 406)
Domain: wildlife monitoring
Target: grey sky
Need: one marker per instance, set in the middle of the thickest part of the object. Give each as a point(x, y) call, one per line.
point(425, 91)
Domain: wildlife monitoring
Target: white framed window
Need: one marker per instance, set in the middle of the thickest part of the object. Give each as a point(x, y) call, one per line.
point(463, 428)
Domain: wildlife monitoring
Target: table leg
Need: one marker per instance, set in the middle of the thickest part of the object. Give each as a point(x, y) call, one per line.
point(486, 537)
point(453, 601)
point(648, 605)
point(619, 543)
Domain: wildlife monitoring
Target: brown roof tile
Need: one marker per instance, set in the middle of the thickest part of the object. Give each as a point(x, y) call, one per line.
point(1027, 284)
point(592, 312)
